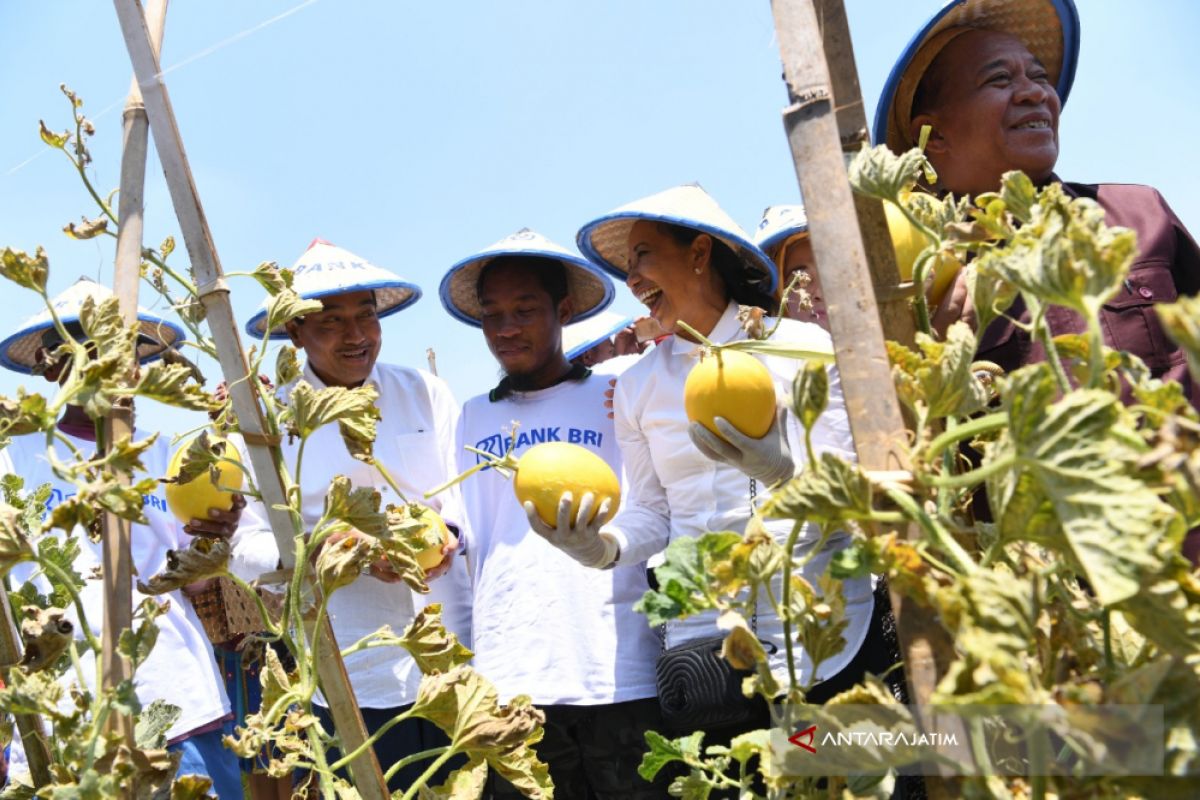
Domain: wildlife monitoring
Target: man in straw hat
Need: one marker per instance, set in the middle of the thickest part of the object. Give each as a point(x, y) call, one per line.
point(544, 625)
point(990, 77)
point(413, 443)
point(180, 670)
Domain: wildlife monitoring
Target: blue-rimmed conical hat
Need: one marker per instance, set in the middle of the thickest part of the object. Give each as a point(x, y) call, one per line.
point(778, 224)
point(579, 337)
point(605, 239)
point(326, 269)
point(18, 351)
point(1049, 28)
point(589, 289)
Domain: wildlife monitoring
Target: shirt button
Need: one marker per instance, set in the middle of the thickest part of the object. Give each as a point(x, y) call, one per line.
point(1146, 292)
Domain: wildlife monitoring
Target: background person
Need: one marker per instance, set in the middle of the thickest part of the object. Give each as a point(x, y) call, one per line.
point(990, 79)
point(413, 441)
point(782, 234)
point(545, 625)
point(180, 670)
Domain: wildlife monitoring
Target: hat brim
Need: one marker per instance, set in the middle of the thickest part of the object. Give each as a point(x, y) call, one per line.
point(19, 351)
point(606, 241)
point(611, 331)
point(590, 293)
point(390, 296)
point(1058, 50)
point(771, 244)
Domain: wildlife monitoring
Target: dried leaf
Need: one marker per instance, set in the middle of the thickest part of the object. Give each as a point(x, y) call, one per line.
point(357, 507)
point(205, 557)
point(45, 635)
point(24, 270)
point(429, 643)
point(88, 229)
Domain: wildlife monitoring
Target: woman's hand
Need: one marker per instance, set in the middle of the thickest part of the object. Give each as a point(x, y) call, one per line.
point(449, 550)
point(956, 305)
point(768, 459)
point(580, 538)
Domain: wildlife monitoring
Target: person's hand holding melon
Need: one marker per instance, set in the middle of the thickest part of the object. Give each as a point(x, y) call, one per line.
point(205, 507)
point(729, 398)
point(568, 492)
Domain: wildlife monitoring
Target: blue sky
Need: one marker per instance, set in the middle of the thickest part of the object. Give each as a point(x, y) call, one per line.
point(416, 133)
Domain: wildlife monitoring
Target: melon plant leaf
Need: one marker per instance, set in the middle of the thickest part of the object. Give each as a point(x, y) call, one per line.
point(878, 172)
point(205, 557)
point(154, 722)
point(1104, 520)
point(343, 560)
point(358, 507)
point(14, 539)
point(810, 393)
point(26, 413)
point(664, 751)
point(273, 279)
point(27, 271)
point(683, 577)
point(174, 385)
point(87, 229)
point(938, 380)
point(310, 409)
point(286, 306)
point(831, 491)
point(434, 648)
point(990, 294)
point(1181, 321)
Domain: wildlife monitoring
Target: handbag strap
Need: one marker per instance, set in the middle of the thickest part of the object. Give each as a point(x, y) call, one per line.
point(662, 629)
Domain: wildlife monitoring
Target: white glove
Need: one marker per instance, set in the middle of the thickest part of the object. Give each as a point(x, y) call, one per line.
point(578, 538)
point(768, 459)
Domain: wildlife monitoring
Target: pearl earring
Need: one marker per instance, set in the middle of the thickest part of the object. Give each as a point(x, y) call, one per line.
point(697, 270)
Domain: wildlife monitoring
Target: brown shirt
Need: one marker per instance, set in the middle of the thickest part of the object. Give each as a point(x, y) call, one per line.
point(1167, 265)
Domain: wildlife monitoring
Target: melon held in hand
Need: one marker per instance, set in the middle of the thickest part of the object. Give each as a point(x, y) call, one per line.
point(549, 469)
point(734, 385)
point(193, 499)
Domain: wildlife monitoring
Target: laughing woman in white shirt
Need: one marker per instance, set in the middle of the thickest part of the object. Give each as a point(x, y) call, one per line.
point(687, 261)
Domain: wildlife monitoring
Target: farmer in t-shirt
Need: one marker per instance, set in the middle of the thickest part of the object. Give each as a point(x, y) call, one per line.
point(545, 625)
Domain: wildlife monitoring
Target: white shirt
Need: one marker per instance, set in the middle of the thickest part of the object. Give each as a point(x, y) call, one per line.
point(674, 491)
point(413, 441)
point(543, 624)
point(181, 669)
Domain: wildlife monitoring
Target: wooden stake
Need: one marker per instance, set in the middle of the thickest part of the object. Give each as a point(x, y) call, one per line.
point(814, 40)
point(214, 294)
point(30, 726)
point(117, 562)
point(431, 357)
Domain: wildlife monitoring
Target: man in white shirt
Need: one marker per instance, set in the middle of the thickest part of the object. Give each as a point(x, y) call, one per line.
point(180, 669)
point(413, 442)
point(543, 624)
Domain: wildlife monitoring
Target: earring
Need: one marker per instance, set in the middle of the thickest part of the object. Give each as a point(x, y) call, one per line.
point(697, 270)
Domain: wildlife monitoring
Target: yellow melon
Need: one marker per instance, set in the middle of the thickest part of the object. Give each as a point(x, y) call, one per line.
point(908, 241)
point(547, 470)
point(193, 499)
point(430, 557)
point(733, 385)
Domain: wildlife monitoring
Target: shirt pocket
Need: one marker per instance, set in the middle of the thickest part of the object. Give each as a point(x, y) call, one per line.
point(1130, 322)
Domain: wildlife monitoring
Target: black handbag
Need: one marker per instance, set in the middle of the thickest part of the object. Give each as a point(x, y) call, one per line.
point(700, 690)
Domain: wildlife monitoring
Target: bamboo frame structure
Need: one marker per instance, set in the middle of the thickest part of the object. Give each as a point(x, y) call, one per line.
point(265, 455)
point(864, 296)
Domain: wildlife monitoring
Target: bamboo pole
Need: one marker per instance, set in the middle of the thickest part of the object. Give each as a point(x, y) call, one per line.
point(265, 455)
point(819, 130)
point(33, 732)
point(431, 357)
point(118, 568)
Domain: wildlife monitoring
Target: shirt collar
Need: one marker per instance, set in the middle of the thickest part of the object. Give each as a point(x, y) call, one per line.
point(317, 383)
point(726, 330)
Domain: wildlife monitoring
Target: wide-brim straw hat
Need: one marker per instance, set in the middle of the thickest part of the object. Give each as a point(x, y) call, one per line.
point(1049, 28)
point(606, 240)
point(579, 337)
point(18, 352)
point(326, 269)
point(589, 289)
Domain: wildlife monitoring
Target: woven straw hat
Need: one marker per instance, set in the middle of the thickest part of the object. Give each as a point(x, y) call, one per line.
point(605, 240)
point(579, 337)
point(326, 269)
point(1049, 28)
point(590, 290)
point(778, 224)
point(18, 351)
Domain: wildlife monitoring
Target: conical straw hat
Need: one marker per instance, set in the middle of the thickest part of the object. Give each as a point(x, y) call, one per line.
point(589, 289)
point(605, 240)
point(579, 337)
point(326, 269)
point(18, 351)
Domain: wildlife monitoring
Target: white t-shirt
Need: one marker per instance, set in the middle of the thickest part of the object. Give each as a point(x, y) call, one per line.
point(544, 625)
point(675, 491)
point(413, 441)
point(181, 669)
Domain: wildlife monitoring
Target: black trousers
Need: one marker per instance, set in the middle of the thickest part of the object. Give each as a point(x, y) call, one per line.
point(594, 752)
